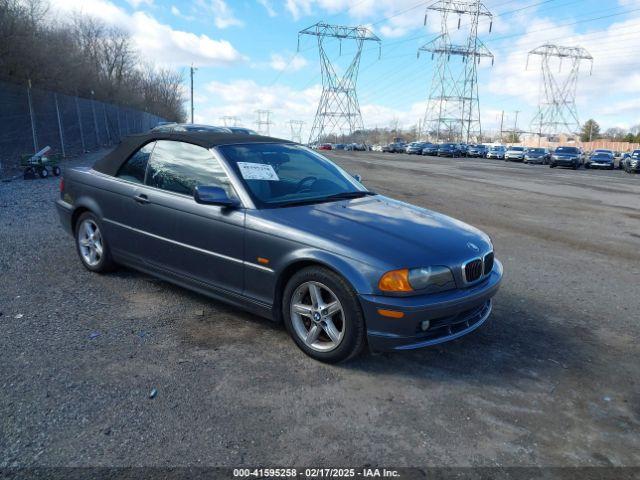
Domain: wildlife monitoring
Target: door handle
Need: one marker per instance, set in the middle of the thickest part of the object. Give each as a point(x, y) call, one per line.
point(141, 198)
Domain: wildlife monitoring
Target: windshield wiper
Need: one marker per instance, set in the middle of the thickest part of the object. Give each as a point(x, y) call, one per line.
point(328, 198)
point(347, 195)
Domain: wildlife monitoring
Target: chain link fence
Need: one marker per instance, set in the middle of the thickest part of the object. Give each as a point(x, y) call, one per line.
point(31, 119)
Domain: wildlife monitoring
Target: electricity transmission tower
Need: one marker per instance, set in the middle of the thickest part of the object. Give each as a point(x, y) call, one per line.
point(263, 122)
point(557, 112)
point(338, 111)
point(453, 106)
point(230, 121)
point(296, 130)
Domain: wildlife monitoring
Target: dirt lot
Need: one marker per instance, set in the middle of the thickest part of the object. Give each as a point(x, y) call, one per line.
point(551, 379)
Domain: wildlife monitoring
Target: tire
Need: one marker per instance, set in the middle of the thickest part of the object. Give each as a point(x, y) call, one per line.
point(347, 324)
point(43, 172)
point(56, 171)
point(587, 167)
point(29, 173)
point(552, 165)
point(100, 260)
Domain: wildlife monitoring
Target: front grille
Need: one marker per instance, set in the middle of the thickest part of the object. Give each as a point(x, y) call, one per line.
point(488, 263)
point(473, 270)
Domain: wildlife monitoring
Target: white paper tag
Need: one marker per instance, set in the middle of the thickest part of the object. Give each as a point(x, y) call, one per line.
point(257, 171)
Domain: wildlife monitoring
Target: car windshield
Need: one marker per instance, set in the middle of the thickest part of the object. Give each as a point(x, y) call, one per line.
point(280, 175)
point(449, 145)
point(536, 150)
point(602, 155)
point(496, 148)
point(573, 150)
point(636, 154)
point(517, 149)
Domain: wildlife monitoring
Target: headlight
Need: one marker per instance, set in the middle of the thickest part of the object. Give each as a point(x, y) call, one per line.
point(423, 279)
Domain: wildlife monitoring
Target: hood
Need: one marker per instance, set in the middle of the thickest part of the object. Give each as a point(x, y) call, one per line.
point(566, 155)
point(378, 231)
point(535, 154)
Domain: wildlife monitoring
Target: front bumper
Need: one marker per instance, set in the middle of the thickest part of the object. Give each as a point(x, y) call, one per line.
point(539, 160)
point(600, 165)
point(514, 157)
point(565, 162)
point(452, 315)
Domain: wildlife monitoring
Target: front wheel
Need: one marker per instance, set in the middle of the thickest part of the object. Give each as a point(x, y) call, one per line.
point(323, 316)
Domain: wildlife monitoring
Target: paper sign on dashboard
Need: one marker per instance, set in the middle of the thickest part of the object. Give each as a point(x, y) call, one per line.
point(257, 171)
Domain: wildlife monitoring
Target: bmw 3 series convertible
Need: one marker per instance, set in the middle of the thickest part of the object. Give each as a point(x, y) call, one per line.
point(277, 229)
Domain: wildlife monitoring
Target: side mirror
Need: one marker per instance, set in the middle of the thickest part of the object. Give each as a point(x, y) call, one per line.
point(207, 195)
point(357, 177)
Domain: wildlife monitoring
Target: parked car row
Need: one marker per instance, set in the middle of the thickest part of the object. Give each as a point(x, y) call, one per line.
point(564, 156)
point(361, 147)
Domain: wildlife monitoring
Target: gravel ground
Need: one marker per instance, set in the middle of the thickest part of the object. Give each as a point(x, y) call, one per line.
point(551, 379)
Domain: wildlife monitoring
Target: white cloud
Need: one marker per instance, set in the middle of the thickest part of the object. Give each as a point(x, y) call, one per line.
point(223, 16)
point(155, 41)
point(281, 63)
point(241, 98)
point(175, 11)
point(268, 7)
point(137, 3)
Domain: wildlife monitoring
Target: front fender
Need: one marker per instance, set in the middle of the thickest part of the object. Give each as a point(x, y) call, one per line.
point(361, 276)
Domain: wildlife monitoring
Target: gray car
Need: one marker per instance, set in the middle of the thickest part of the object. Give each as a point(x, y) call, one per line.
point(279, 230)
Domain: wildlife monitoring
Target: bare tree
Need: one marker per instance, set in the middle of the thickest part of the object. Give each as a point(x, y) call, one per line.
point(82, 56)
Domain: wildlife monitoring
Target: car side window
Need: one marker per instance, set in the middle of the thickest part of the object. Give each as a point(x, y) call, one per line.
point(180, 167)
point(133, 170)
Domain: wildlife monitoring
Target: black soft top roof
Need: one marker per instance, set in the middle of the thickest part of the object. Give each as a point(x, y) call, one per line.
point(110, 164)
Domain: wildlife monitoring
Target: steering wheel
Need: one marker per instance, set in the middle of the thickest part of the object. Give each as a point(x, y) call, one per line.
point(301, 183)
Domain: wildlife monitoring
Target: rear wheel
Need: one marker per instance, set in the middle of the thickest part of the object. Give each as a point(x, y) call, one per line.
point(92, 247)
point(29, 173)
point(322, 314)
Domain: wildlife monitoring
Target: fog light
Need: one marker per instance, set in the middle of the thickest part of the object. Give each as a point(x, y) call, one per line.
point(424, 325)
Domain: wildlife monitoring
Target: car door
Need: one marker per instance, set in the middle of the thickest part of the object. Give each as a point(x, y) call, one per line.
point(128, 243)
point(203, 244)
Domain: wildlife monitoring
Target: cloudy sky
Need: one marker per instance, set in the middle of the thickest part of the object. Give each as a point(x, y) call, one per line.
point(247, 59)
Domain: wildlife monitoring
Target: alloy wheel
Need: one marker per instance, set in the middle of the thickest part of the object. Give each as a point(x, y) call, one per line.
point(317, 316)
point(90, 242)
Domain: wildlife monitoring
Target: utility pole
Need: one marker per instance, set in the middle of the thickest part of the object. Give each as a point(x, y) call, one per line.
point(515, 127)
point(338, 110)
point(296, 130)
point(230, 121)
point(501, 124)
point(192, 69)
point(453, 104)
point(263, 122)
point(557, 112)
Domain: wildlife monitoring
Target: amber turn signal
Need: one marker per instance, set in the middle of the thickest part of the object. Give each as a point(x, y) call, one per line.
point(395, 281)
point(390, 313)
